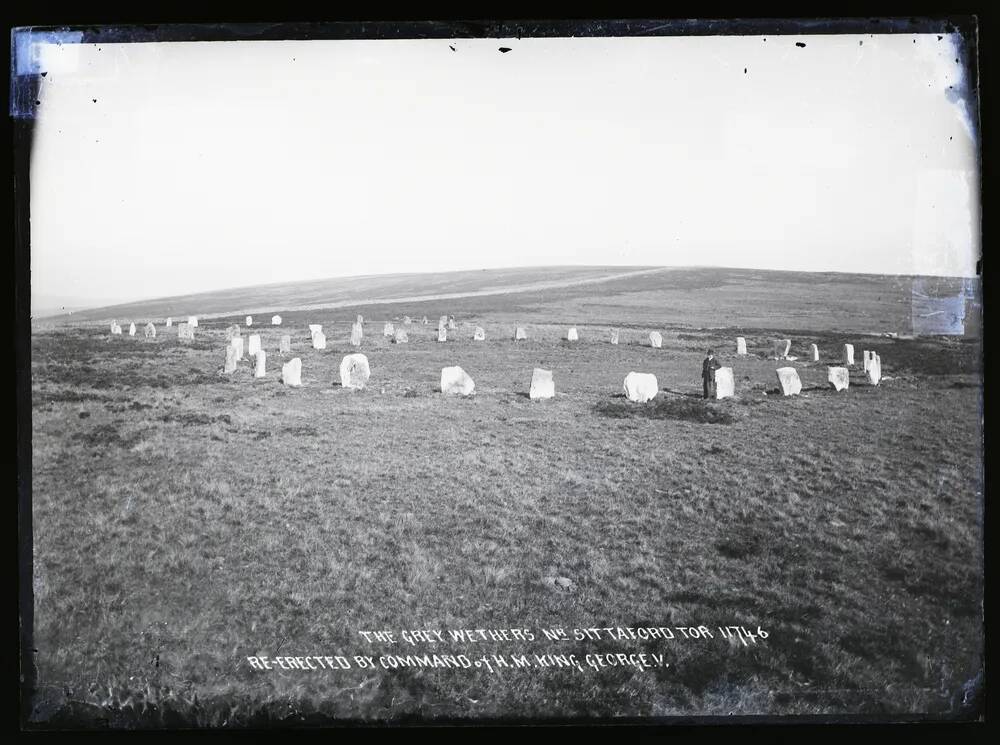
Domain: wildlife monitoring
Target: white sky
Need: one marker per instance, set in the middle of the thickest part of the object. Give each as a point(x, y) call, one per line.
point(210, 165)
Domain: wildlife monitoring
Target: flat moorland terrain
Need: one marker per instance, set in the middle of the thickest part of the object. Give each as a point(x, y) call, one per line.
point(185, 520)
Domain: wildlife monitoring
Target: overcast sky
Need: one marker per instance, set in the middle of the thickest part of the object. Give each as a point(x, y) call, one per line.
point(162, 169)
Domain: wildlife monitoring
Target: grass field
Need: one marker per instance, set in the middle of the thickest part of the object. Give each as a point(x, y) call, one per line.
point(184, 520)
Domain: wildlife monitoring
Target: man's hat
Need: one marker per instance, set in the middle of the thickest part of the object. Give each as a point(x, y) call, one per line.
point(710, 351)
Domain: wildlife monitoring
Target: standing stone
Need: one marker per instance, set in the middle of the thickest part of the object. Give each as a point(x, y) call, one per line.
point(451, 323)
point(443, 322)
point(725, 383)
point(655, 340)
point(185, 331)
point(788, 378)
point(286, 345)
point(866, 358)
point(442, 333)
point(542, 385)
point(455, 381)
point(641, 387)
point(874, 371)
point(838, 377)
point(237, 344)
point(116, 329)
point(291, 372)
point(571, 335)
point(782, 348)
point(614, 336)
point(361, 319)
point(400, 337)
point(480, 334)
point(275, 320)
point(150, 331)
point(131, 329)
point(170, 322)
point(815, 352)
point(249, 320)
point(356, 335)
point(520, 334)
point(258, 369)
point(253, 344)
point(741, 345)
point(388, 330)
point(354, 371)
point(193, 321)
point(319, 340)
point(406, 320)
point(314, 327)
point(425, 321)
point(230, 360)
point(848, 354)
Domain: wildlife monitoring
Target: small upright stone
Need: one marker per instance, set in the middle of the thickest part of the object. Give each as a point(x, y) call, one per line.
point(170, 322)
point(866, 357)
point(426, 321)
point(286, 344)
point(230, 360)
point(354, 371)
point(815, 352)
point(455, 381)
point(131, 329)
point(237, 344)
point(253, 344)
point(725, 383)
point(655, 340)
point(249, 320)
point(788, 378)
point(275, 320)
point(259, 367)
point(838, 377)
point(150, 331)
point(614, 336)
point(571, 335)
point(319, 340)
point(442, 333)
point(480, 334)
point(641, 387)
point(848, 354)
point(401, 336)
point(314, 327)
point(520, 334)
point(193, 321)
point(356, 335)
point(116, 329)
point(388, 330)
point(874, 371)
point(542, 385)
point(291, 372)
point(185, 331)
point(741, 345)
point(451, 323)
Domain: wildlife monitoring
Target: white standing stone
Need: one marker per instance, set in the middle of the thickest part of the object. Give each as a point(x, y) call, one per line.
point(319, 340)
point(286, 345)
point(354, 371)
point(520, 334)
point(455, 381)
point(426, 321)
point(542, 385)
point(781, 348)
point(815, 352)
point(291, 372)
point(874, 371)
point(116, 329)
point(170, 322)
point(150, 331)
point(275, 320)
point(253, 344)
point(571, 335)
point(314, 327)
point(249, 320)
point(641, 387)
point(237, 344)
point(725, 383)
point(451, 323)
point(741, 345)
point(655, 339)
point(442, 333)
point(388, 330)
point(185, 331)
point(614, 336)
point(259, 367)
point(848, 354)
point(193, 321)
point(230, 360)
point(131, 329)
point(480, 334)
point(788, 378)
point(866, 357)
point(401, 336)
point(356, 335)
point(838, 377)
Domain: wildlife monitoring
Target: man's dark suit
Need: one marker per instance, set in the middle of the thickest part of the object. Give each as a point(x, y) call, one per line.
point(708, 368)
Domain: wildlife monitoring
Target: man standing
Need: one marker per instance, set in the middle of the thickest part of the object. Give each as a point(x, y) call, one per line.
point(708, 368)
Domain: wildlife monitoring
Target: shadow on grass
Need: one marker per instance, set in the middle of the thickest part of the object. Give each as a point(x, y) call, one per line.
point(682, 409)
